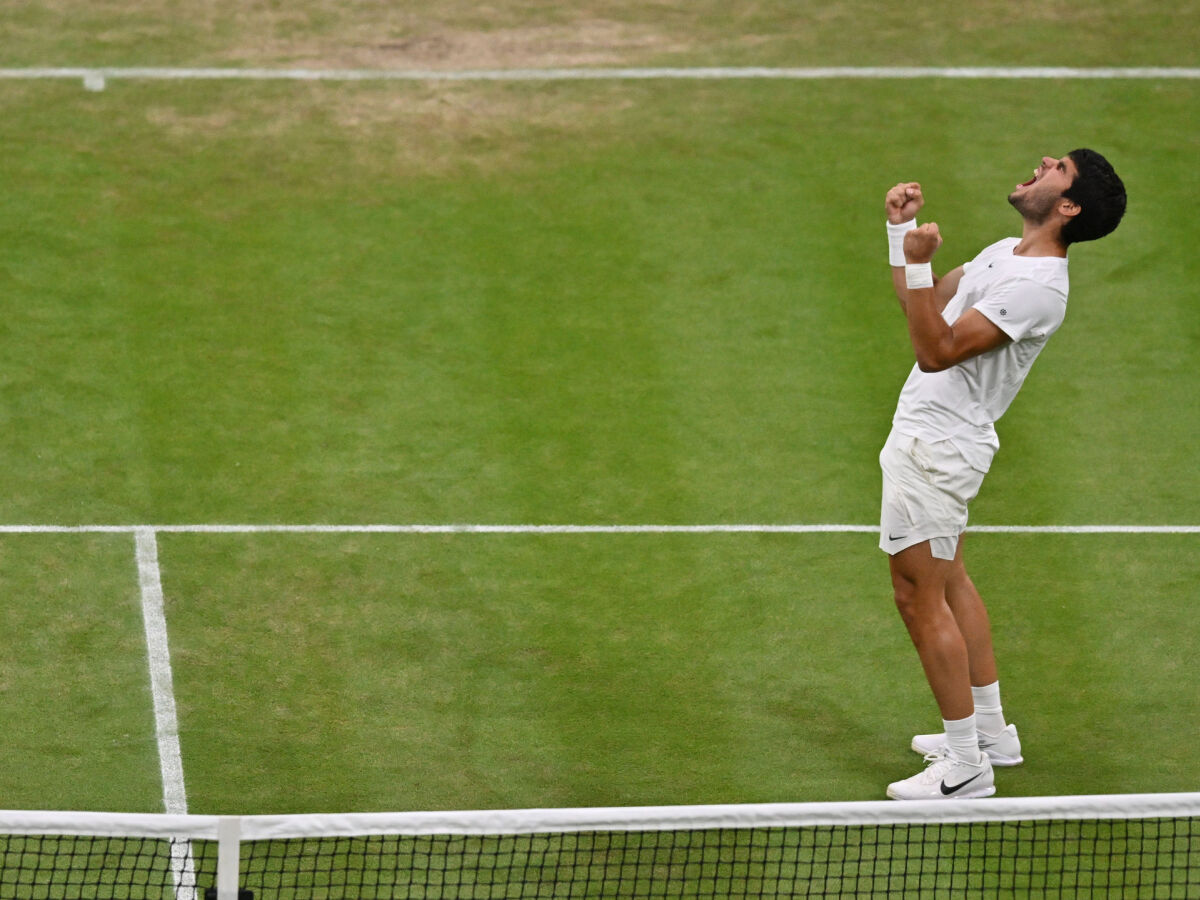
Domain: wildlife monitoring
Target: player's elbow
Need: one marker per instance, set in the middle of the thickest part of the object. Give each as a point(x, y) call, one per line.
point(932, 362)
point(936, 355)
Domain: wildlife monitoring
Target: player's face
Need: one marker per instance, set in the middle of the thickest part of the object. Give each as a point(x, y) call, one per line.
point(1038, 197)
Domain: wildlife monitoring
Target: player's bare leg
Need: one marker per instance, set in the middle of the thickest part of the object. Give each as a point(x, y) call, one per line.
point(972, 618)
point(997, 738)
point(920, 581)
point(958, 769)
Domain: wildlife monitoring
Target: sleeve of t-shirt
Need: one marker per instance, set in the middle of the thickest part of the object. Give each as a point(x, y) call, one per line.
point(1022, 308)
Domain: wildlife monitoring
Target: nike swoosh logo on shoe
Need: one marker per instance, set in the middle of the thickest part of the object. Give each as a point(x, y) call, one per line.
point(947, 790)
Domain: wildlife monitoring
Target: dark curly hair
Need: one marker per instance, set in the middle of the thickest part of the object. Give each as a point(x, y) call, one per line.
point(1100, 194)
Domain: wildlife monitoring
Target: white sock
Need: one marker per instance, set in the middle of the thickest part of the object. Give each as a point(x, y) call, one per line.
point(962, 739)
point(989, 714)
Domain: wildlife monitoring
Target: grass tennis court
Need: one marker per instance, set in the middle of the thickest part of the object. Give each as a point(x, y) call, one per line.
point(566, 303)
point(380, 672)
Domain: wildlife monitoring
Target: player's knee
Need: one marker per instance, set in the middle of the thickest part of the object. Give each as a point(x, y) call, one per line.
point(960, 582)
point(906, 598)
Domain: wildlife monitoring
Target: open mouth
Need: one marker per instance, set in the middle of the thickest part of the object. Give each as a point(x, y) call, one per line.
point(1030, 181)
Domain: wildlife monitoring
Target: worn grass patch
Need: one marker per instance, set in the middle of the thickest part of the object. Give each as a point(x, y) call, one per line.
point(521, 33)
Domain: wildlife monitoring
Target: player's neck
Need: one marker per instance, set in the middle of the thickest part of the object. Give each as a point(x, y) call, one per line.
point(1041, 240)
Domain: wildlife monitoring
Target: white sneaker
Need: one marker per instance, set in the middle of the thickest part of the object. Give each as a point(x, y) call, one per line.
point(947, 778)
point(1003, 749)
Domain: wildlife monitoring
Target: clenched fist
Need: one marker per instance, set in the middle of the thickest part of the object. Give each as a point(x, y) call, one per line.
point(922, 242)
point(903, 202)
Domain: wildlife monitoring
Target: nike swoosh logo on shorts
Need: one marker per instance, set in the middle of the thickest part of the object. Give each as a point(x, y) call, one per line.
point(947, 790)
point(897, 537)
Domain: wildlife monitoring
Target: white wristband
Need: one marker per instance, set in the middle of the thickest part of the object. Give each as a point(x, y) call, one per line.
point(918, 275)
point(896, 235)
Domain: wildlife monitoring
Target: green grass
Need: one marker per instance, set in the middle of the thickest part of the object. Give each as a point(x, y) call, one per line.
point(422, 672)
point(672, 313)
point(74, 685)
point(567, 303)
point(515, 671)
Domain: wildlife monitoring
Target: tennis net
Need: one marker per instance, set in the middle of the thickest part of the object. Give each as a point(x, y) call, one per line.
point(1127, 846)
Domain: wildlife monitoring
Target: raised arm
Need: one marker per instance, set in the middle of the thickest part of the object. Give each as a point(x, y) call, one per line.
point(902, 204)
point(937, 344)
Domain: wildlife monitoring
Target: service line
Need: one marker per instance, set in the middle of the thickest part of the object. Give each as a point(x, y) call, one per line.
point(147, 532)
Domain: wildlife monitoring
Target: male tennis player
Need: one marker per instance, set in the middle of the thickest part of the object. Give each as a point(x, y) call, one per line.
point(975, 333)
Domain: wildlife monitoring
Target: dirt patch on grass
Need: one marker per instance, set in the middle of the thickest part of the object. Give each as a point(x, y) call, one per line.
point(448, 34)
point(441, 129)
point(419, 126)
point(181, 125)
point(461, 34)
point(433, 46)
point(399, 128)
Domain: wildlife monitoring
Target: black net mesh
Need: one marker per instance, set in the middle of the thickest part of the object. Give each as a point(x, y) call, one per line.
point(33, 867)
point(1107, 858)
point(1090, 858)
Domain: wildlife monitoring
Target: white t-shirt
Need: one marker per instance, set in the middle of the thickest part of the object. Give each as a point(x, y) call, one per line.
point(1026, 297)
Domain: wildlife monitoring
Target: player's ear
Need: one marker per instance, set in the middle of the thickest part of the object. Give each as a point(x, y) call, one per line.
point(1069, 208)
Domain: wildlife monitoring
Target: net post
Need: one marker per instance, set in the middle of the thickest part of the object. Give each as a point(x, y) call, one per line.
point(229, 831)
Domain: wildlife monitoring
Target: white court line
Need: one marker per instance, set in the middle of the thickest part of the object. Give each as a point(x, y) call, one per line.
point(166, 721)
point(147, 532)
point(95, 77)
point(161, 683)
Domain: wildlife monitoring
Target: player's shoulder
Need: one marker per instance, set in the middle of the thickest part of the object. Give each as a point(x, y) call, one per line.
point(1002, 264)
point(1001, 248)
point(992, 253)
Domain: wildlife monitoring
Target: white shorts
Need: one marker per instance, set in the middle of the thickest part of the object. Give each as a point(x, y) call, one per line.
point(926, 489)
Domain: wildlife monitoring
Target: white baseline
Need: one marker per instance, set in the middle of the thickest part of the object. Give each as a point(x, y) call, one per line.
point(95, 77)
point(146, 532)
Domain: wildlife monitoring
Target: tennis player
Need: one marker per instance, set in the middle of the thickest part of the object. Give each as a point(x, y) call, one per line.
point(975, 333)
